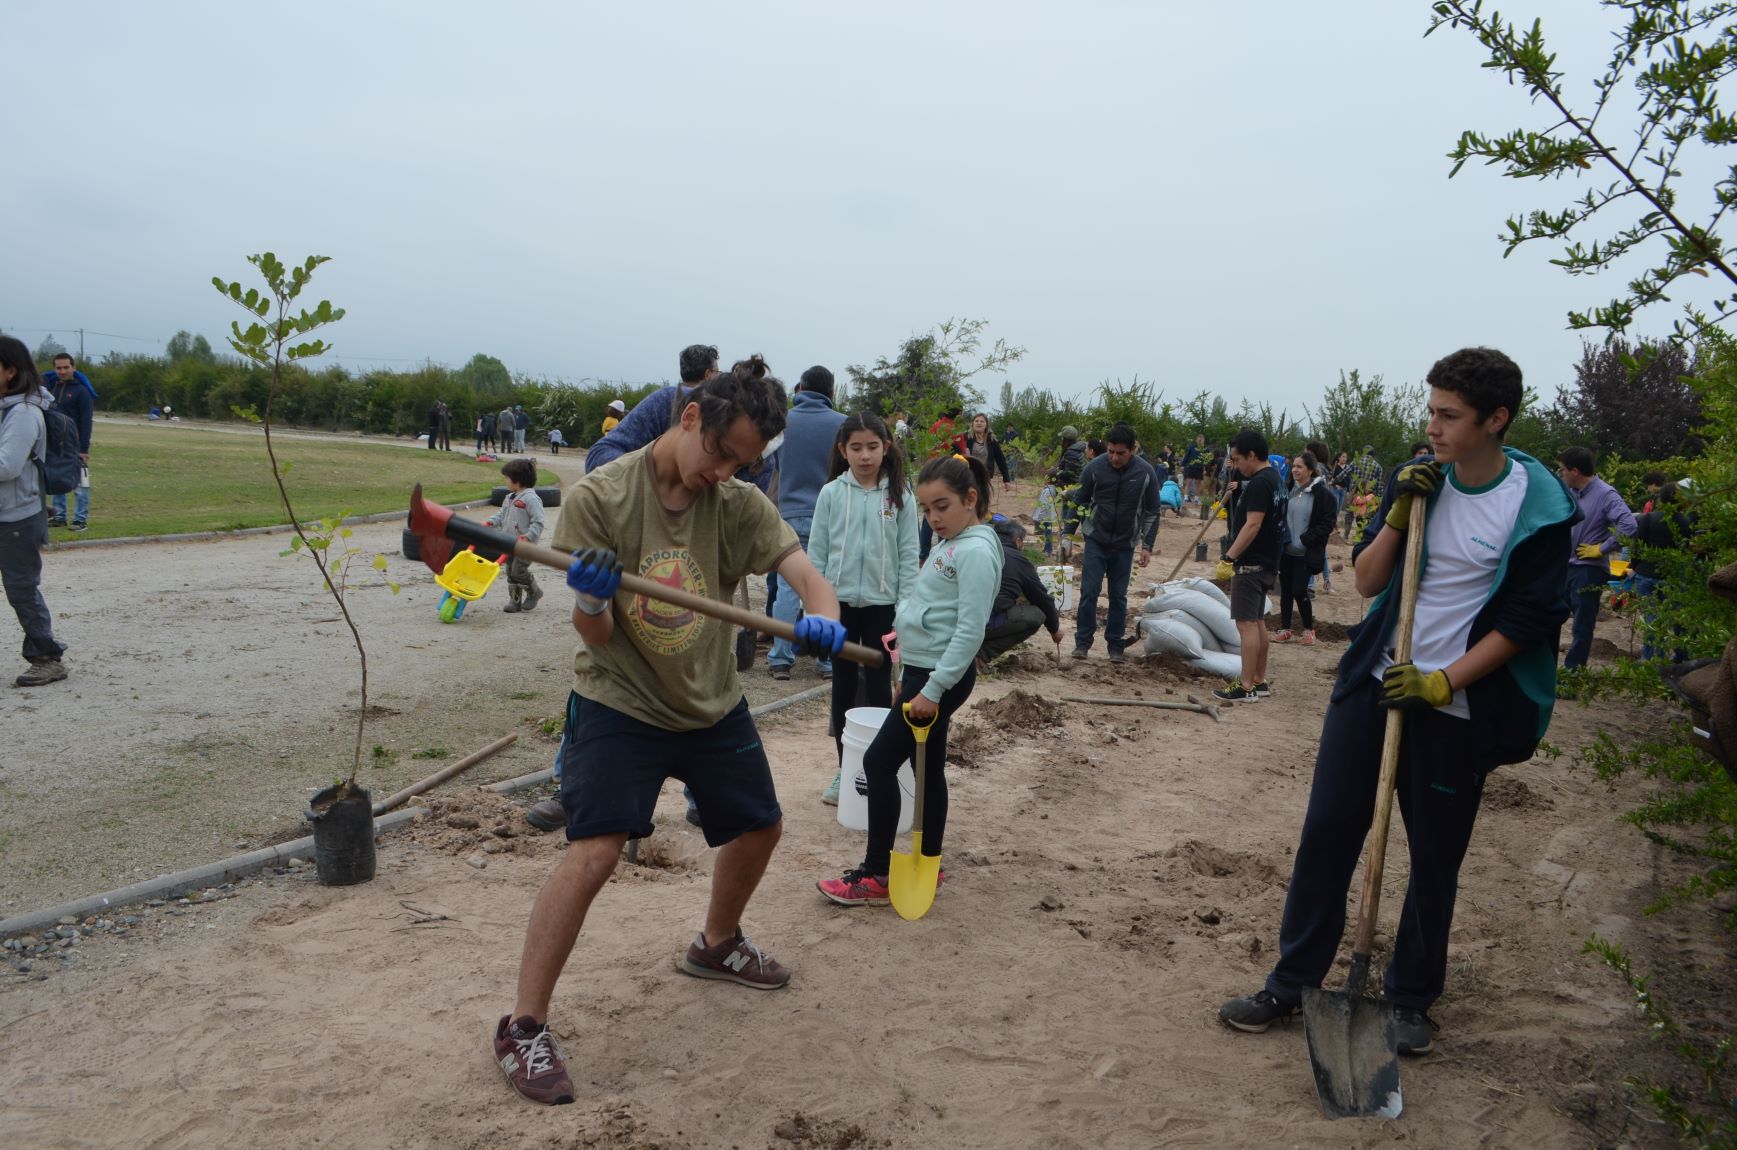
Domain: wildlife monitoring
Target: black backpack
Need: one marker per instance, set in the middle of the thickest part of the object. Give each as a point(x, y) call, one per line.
point(60, 468)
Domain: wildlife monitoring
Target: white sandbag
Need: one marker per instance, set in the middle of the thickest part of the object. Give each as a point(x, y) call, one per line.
point(1215, 615)
point(1222, 664)
point(1208, 641)
point(1166, 636)
point(1204, 586)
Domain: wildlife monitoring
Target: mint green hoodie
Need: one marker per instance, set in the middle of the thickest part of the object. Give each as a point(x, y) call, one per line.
point(864, 545)
point(941, 621)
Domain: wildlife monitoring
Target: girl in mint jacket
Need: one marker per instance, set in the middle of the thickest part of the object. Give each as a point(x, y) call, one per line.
point(940, 624)
point(864, 541)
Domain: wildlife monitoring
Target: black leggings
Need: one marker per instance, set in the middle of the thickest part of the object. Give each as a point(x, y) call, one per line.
point(865, 625)
point(1294, 585)
point(891, 747)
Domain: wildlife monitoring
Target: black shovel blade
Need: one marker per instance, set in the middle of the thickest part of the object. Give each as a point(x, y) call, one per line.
point(1354, 1051)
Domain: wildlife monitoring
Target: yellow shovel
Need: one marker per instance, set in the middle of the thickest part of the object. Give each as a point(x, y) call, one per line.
point(912, 878)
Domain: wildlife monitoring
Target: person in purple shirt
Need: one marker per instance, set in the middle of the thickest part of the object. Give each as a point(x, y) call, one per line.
point(1603, 518)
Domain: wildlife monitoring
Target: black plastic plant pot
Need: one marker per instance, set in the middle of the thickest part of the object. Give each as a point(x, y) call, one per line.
point(343, 836)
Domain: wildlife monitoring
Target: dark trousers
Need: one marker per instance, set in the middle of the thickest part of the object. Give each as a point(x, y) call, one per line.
point(1021, 622)
point(865, 625)
point(1585, 590)
point(1294, 586)
point(1116, 566)
point(520, 580)
point(891, 747)
point(21, 571)
point(1439, 787)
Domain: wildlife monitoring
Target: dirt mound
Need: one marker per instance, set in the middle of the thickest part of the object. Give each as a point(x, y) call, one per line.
point(1507, 792)
point(1025, 662)
point(968, 746)
point(468, 822)
point(801, 1132)
point(1144, 669)
point(1018, 711)
point(1328, 631)
point(1604, 651)
point(1201, 858)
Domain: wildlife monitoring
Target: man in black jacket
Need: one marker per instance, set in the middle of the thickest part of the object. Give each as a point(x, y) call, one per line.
point(1010, 621)
point(1122, 492)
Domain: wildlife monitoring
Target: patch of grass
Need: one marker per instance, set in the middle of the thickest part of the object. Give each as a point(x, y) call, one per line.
point(159, 479)
point(431, 753)
point(521, 696)
point(553, 726)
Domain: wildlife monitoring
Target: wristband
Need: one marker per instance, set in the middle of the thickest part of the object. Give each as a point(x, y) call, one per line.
point(590, 604)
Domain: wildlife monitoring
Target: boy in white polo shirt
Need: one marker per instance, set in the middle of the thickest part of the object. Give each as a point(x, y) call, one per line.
point(1479, 688)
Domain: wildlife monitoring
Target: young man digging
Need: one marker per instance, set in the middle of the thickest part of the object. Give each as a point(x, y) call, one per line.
point(1478, 690)
point(656, 695)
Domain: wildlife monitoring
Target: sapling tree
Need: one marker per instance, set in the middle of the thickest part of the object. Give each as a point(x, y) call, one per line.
point(283, 338)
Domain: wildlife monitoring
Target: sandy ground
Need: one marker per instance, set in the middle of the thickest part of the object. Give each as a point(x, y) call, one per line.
point(1114, 875)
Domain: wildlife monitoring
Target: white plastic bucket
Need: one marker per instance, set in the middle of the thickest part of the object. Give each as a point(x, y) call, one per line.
point(1059, 581)
point(861, 724)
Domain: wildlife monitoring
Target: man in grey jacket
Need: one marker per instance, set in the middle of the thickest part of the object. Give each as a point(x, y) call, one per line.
point(1122, 492)
point(803, 463)
point(1604, 517)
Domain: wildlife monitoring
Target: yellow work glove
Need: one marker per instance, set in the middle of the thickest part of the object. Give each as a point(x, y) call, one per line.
point(1226, 571)
point(1414, 479)
point(1589, 551)
point(1409, 689)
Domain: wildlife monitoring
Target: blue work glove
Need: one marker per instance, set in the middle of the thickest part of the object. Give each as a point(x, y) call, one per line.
point(594, 576)
point(818, 635)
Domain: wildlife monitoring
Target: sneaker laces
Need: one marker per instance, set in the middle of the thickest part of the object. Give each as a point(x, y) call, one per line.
point(538, 1052)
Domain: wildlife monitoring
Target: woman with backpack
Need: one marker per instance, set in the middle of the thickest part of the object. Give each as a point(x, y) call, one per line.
point(23, 520)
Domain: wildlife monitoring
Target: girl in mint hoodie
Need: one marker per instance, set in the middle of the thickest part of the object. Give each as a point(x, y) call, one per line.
point(940, 624)
point(864, 540)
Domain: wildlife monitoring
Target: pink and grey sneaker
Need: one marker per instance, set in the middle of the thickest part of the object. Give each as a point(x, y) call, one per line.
point(736, 959)
point(856, 887)
point(532, 1061)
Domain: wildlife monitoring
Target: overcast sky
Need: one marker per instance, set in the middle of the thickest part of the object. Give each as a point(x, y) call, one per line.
point(1235, 197)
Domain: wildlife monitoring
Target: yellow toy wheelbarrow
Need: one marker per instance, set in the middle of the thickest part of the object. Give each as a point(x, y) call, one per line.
point(465, 579)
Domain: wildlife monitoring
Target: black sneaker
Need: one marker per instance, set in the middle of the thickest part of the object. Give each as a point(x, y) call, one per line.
point(1235, 692)
point(57, 521)
point(1081, 652)
point(782, 674)
point(1256, 1012)
point(1416, 1031)
point(1118, 657)
point(78, 525)
point(1262, 690)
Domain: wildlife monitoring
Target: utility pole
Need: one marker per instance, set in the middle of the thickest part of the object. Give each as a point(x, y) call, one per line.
point(81, 346)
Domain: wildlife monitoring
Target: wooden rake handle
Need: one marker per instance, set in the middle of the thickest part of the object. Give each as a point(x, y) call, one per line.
point(1211, 518)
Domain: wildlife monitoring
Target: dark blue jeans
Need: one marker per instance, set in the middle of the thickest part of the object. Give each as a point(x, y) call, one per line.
point(1100, 563)
point(1585, 590)
point(1439, 786)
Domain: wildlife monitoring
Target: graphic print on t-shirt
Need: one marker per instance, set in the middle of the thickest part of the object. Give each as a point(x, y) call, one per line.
point(665, 628)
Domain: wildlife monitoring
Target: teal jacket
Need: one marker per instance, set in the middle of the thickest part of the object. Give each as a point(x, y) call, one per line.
point(941, 620)
point(864, 545)
point(1528, 603)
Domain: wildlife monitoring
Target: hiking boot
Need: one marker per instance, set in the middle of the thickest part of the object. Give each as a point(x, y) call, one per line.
point(1283, 636)
point(1081, 652)
point(547, 815)
point(1308, 639)
point(532, 1061)
point(736, 959)
point(78, 525)
point(1235, 692)
point(1256, 1012)
point(856, 887)
point(1262, 689)
point(42, 672)
point(830, 795)
point(1118, 657)
point(1416, 1031)
point(513, 607)
point(532, 598)
point(781, 673)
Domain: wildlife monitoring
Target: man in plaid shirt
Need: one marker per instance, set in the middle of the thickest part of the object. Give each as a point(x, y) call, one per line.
point(1365, 472)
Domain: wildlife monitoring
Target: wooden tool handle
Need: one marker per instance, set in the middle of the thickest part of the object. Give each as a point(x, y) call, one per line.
point(1376, 857)
point(728, 612)
point(1211, 518)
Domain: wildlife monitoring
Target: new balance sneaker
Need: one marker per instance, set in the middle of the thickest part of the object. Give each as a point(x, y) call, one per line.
point(1416, 1031)
point(1235, 692)
point(532, 1061)
point(1255, 1012)
point(736, 959)
point(42, 672)
point(830, 795)
point(856, 887)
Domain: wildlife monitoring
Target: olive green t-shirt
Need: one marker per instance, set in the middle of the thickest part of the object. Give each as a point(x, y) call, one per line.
point(666, 665)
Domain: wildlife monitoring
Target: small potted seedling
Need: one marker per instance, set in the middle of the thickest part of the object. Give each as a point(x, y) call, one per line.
point(342, 814)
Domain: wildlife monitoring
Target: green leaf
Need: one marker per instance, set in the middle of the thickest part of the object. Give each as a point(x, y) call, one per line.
point(284, 467)
point(392, 585)
point(379, 563)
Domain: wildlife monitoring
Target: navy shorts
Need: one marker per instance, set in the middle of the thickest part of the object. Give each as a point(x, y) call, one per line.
point(613, 766)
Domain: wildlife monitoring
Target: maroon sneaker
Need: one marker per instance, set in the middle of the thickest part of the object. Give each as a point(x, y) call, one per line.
point(531, 1058)
point(735, 959)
